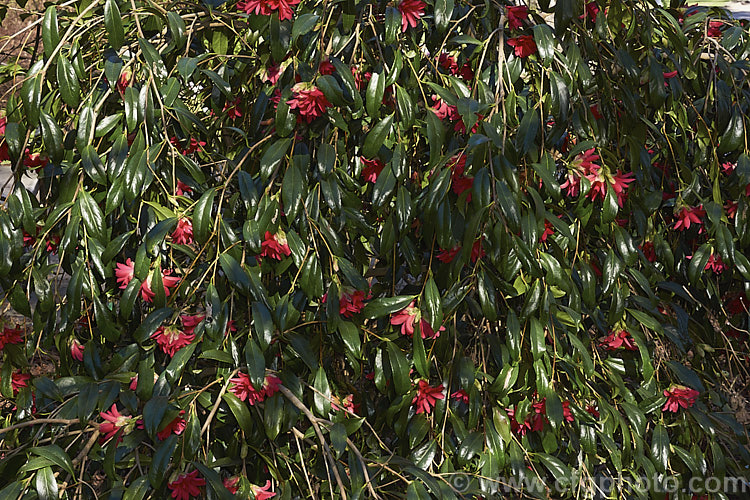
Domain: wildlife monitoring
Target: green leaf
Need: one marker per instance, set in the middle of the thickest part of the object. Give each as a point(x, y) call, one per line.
point(545, 42)
point(256, 364)
point(153, 414)
point(322, 393)
point(420, 356)
point(52, 137)
point(376, 137)
point(434, 304)
point(179, 362)
point(382, 307)
point(202, 221)
point(31, 95)
point(660, 448)
point(350, 335)
point(50, 31)
point(151, 323)
point(443, 13)
point(294, 187)
point(56, 455)
point(155, 64)
point(93, 218)
point(70, 89)
point(240, 411)
point(686, 376)
point(559, 470)
point(137, 489)
point(177, 28)
point(400, 367)
point(374, 95)
point(160, 462)
point(235, 274)
point(272, 157)
point(46, 485)
point(303, 24)
point(528, 130)
point(113, 24)
point(392, 24)
point(215, 483)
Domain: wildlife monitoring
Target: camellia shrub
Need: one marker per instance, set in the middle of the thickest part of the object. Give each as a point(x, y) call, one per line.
point(444, 249)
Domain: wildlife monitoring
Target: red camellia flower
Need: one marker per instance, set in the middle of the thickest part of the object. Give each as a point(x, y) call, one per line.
point(183, 233)
point(618, 339)
point(459, 181)
point(275, 246)
point(351, 302)
point(176, 426)
point(649, 251)
point(113, 422)
point(714, 29)
point(549, 230)
point(579, 167)
point(591, 410)
point(124, 273)
point(443, 110)
point(523, 45)
point(18, 381)
point(679, 396)
point(190, 322)
point(447, 256)
point(309, 101)
point(567, 414)
point(461, 396)
point(262, 492)
point(427, 396)
point(182, 189)
point(232, 484)
point(245, 391)
point(715, 264)
point(372, 169)
point(167, 280)
point(266, 7)
point(534, 420)
point(516, 15)
point(326, 67)
point(687, 216)
point(171, 339)
point(11, 336)
point(187, 486)
point(592, 9)
point(520, 428)
point(76, 350)
point(411, 12)
point(232, 109)
point(125, 80)
point(408, 317)
point(34, 160)
point(477, 252)
point(447, 61)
